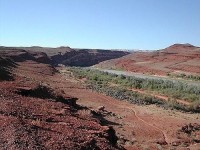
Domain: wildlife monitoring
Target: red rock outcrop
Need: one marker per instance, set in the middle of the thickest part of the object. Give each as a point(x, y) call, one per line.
point(178, 58)
point(62, 55)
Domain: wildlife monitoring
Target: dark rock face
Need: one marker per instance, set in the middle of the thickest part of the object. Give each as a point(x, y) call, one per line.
point(85, 58)
point(41, 57)
point(20, 55)
point(6, 66)
point(61, 55)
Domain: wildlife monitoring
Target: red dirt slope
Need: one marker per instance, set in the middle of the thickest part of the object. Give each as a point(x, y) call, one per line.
point(178, 58)
point(138, 127)
point(34, 116)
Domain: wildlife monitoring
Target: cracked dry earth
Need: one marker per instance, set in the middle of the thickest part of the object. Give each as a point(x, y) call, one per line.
point(138, 127)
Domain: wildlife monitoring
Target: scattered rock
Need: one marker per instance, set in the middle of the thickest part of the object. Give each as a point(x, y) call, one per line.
point(101, 108)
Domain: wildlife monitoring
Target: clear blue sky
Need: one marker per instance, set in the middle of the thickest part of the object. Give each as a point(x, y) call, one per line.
point(124, 24)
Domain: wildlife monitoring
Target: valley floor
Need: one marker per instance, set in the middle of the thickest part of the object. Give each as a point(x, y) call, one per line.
point(45, 123)
point(138, 127)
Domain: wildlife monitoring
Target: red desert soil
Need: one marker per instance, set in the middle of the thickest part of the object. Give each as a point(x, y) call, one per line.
point(178, 58)
point(29, 120)
point(138, 127)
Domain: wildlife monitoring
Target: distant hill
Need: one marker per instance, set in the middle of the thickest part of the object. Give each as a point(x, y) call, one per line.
point(61, 55)
point(177, 59)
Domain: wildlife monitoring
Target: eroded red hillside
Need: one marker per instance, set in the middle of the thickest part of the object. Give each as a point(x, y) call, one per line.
point(35, 114)
point(178, 58)
point(62, 55)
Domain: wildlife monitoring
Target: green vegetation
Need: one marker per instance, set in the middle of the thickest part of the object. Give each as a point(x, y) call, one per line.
point(119, 86)
point(184, 76)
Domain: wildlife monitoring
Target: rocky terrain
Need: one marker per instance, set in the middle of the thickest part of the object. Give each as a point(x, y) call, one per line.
point(20, 55)
point(36, 114)
point(138, 127)
point(45, 107)
point(176, 59)
point(62, 55)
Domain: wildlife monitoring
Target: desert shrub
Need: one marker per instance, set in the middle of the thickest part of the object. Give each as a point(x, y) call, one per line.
point(99, 81)
point(195, 107)
point(42, 91)
point(173, 104)
point(187, 77)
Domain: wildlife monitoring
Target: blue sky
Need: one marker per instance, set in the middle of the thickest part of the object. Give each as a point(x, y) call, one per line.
point(122, 24)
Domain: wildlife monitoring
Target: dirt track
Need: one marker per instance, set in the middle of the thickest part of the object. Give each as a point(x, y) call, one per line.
point(164, 134)
point(139, 127)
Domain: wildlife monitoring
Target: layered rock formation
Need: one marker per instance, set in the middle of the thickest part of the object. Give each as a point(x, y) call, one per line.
point(177, 59)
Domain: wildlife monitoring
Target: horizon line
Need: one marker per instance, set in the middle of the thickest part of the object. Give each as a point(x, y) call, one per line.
point(128, 49)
